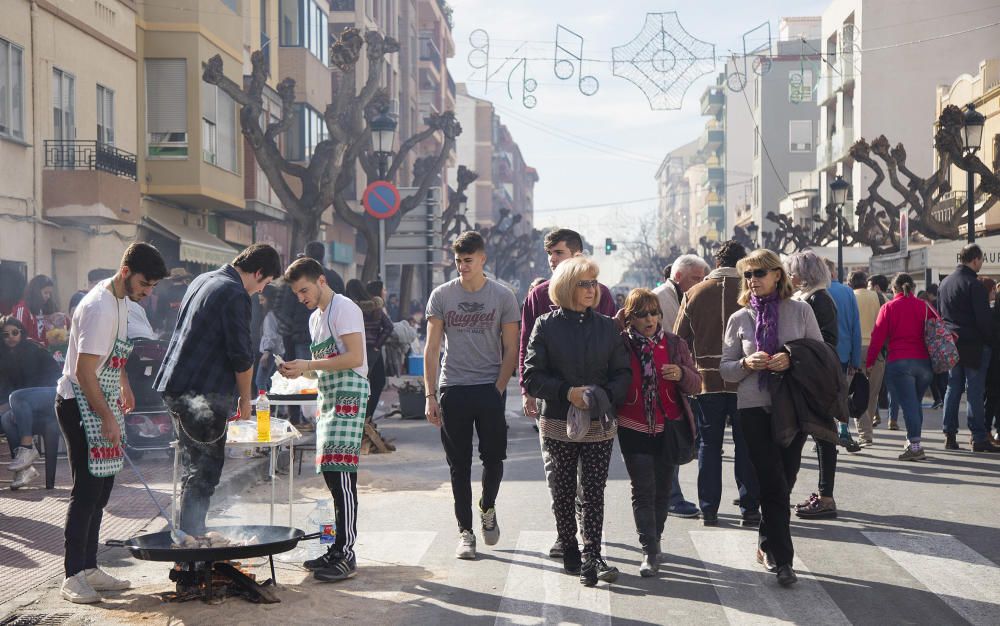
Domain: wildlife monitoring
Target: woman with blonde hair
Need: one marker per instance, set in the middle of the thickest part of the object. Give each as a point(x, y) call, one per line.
point(577, 365)
point(751, 349)
point(656, 428)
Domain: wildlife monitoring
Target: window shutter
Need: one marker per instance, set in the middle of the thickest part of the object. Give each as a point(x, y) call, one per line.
point(208, 101)
point(800, 135)
point(166, 96)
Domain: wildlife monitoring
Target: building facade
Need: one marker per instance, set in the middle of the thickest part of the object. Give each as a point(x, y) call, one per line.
point(673, 211)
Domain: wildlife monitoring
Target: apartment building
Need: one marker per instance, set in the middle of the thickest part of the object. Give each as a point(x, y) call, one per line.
point(69, 196)
point(674, 198)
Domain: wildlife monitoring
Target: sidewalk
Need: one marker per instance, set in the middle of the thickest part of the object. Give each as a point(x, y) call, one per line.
point(32, 518)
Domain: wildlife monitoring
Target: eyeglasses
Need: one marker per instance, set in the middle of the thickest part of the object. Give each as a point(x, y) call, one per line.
point(757, 273)
point(11, 333)
point(644, 314)
point(587, 284)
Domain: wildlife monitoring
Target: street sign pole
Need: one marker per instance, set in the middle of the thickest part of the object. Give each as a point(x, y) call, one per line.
point(381, 201)
point(381, 250)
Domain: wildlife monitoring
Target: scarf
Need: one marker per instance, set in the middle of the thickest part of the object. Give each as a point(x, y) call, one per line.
point(643, 347)
point(765, 332)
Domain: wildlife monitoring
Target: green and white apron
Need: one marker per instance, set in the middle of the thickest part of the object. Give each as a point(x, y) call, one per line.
point(106, 458)
point(343, 400)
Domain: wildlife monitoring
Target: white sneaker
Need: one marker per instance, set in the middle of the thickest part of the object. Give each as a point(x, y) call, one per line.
point(491, 529)
point(466, 546)
point(23, 457)
point(103, 581)
point(23, 477)
point(76, 589)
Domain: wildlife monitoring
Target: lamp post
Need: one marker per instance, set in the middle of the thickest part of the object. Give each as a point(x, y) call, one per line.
point(753, 230)
point(972, 138)
point(383, 129)
point(838, 192)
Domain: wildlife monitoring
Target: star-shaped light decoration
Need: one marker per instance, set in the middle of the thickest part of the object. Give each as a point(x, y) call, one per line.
point(663, 60)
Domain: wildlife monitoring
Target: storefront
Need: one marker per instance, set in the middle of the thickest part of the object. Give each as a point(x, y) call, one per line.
point(930, 264)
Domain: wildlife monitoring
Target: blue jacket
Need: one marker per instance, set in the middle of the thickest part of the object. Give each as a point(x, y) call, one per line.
point(848, 324)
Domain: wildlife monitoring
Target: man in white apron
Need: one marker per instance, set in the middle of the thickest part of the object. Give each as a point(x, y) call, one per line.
point(339, 362)
point(91, 397)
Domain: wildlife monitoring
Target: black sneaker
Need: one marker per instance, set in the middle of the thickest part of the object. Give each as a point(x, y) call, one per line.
point(340, 569)
point(751, 519)
point(709, 519)
point(589, 571)
point(606, 572)
point(951, 442)
point(571, 558)
point(556, 551)
point(332, 555)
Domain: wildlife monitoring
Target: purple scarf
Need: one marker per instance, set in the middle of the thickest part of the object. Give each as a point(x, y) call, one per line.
point(765, 333)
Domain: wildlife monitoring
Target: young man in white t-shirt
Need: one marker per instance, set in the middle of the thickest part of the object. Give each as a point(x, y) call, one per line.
point(339, 360)
point(99, 321)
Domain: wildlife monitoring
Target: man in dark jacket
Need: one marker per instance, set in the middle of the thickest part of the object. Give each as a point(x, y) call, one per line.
point(963, 304)
point(701, 322)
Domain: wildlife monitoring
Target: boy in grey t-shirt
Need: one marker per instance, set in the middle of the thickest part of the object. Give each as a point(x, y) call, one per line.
point(478, 318)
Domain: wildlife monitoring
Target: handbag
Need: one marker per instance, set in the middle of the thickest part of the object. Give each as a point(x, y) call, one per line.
point(940, 344)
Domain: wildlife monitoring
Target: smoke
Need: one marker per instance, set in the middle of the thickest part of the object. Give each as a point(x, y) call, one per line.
point(199, 409)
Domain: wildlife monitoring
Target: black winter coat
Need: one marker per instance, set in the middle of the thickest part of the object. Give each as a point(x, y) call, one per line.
point(798, 403)
point(964, 306)
point(27, 365)
point(571, 349)
point(825, 310)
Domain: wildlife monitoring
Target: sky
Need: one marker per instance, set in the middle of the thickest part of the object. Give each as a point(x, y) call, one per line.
point(603, 149)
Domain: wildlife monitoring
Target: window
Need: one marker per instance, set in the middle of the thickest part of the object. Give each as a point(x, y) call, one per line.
point(341, 5)
point(800, 86)
point(166, 108)
point(307, 131)
point(105, 115)
point(800, 135)
point(63, 105)
point(11, 90)
point(304, 25)
point(232, 4)
point(218, 127)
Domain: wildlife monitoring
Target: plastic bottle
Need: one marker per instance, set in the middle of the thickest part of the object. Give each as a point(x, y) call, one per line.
point(263, 417)
point(324, 517)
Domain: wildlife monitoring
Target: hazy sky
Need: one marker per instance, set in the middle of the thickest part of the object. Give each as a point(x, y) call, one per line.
point(602, 149)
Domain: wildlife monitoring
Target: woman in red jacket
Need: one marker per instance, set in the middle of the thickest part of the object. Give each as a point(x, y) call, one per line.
point(37, 302)
point(908, 372)
point(655, 425)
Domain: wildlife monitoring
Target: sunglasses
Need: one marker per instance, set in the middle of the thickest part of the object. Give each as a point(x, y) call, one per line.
point(587, 284)
point(644, 314)
point(757, 273)
point(11, 333)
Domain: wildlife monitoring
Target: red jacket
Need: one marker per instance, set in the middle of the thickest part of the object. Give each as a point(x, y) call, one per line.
point(32, 325)
point(901, 322)
point(671, 349)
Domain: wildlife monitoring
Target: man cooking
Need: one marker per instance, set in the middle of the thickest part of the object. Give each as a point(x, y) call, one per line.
point(208, 364)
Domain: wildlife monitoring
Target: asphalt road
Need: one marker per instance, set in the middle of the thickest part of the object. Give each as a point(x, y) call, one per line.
point(914, 543)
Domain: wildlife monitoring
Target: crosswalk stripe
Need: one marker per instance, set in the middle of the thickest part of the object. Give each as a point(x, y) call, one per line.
point(393, 547)
point(537, 591)
point(960, 576)
point(750, 595)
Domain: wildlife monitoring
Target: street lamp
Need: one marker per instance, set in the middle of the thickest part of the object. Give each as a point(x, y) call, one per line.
point(838, 192)
point(753, 230)
point(383, 129)
point(972, 138)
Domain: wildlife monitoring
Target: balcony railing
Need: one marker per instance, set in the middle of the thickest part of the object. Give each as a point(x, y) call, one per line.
point(451, 85)
point(712, 101)
point(73, 154)
point(823, 152)
point(843, 139)
point(949, 203)
point(429, 51)
point(824, 87)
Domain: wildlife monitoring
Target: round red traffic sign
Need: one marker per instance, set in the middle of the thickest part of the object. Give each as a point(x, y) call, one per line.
point(381, 199)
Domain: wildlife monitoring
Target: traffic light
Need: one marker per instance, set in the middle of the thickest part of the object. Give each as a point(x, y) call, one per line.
point(609, 246)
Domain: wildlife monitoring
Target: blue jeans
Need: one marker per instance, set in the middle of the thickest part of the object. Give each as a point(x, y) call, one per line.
point(711, 410)
point(908, 379)
point(27, 405)
point(973, 382)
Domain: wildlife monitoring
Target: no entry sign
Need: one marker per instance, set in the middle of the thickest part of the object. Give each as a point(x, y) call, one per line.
point(381, 199)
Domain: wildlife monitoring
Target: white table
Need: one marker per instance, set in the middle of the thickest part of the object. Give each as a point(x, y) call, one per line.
point(288, 439)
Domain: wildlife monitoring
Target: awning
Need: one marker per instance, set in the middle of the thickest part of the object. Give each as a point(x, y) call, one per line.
point(196, 246)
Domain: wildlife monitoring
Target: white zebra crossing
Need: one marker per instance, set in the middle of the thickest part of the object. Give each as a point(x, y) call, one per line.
point(964, 579)
point(749, 594)
point(537, 590)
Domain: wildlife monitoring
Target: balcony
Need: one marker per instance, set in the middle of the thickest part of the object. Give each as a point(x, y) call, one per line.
point(716, 175)
point(451, 85)
point(841, 144)
point(429, 51)
point(825, 91)
point(950, 202)
point(823, 155)
point(843, 78)
point(711, 140)
point(712, 101)
point(90, 183)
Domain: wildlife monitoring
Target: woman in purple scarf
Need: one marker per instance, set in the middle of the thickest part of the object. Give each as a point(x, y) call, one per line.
point(751, 352)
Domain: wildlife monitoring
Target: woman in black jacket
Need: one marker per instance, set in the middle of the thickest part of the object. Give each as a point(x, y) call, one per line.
point(28, 376)
point(576, 358)
point(378, 329)
point(810, 277)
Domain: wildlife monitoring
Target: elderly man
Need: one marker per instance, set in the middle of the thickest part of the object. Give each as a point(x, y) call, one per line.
point(685, 272)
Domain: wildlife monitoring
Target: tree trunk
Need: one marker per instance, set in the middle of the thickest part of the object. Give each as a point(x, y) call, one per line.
point(305, 228)
point(369, 271)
